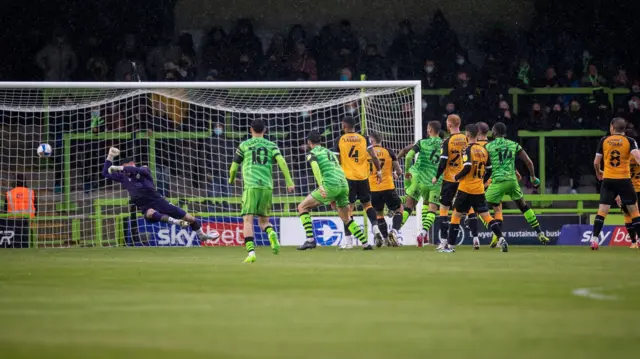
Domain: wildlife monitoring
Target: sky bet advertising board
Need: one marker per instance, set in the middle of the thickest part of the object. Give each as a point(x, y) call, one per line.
point(516, 229)
point(580, 235)
point(166, 235)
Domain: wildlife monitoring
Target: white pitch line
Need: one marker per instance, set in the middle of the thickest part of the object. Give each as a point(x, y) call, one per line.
point(592, 293)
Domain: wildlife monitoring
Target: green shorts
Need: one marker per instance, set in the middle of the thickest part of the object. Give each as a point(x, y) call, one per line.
point(339, 194)
point(429, 192)
point(497, 191)
point(257, 202)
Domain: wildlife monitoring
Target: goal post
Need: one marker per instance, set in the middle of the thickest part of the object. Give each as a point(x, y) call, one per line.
point(186, 133)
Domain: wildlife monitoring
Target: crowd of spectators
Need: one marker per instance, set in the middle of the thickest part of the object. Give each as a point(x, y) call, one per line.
point(479, 91)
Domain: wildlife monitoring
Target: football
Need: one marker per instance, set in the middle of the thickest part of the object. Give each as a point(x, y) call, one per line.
point(44, 150)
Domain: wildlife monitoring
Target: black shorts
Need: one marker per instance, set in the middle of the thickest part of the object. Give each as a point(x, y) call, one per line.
point(612, 188)
point(389, 197)
point(465, 201)
point(359, 190)
point(624, 208)
point(448, 192)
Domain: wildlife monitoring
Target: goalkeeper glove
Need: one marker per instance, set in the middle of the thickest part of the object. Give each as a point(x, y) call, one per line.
point(116, 169)
point(113, 153)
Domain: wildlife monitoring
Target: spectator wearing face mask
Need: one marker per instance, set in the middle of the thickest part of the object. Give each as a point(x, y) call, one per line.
point(372, 64)
point(536, 119)
point(461, 64)
point(345, 74)
point(57, 59)
point(592, 78)
point(302, 61)
point(430, 76)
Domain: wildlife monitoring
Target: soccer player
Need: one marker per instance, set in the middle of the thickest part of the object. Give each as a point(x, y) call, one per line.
point(477, 167)
point(450, 164)
point(256, 155)
point(354, 154)
point(616, 150)
point(471, 221)
point(155, 208)
point(384, 193)
point(504, 179)
point(420, 174)
point(635, 179)
point(333, 187)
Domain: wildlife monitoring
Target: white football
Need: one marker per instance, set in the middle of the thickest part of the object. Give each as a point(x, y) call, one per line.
point(44, 150)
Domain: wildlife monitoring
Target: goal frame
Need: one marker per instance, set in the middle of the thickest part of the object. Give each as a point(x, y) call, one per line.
point(66, 205)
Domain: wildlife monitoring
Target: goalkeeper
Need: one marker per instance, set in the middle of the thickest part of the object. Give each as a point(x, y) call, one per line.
point(333, 186)
point(256, 155)
point(155, 208)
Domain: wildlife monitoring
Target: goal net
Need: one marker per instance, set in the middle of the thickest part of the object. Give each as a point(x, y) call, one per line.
point(187, 134)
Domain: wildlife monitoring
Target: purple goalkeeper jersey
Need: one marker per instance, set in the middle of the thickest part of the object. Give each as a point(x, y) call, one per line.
point(136, 180)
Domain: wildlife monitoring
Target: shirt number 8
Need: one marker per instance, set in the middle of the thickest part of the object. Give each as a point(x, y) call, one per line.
point(614, 158)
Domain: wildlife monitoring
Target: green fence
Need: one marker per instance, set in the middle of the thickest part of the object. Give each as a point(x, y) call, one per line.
point(517, 93)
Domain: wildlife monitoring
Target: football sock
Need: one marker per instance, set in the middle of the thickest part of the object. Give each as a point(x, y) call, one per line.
point(406, 214)
point(598, 223)
point(444, 227)
point(382, 225)
point(473, 224)
point(397, 221)
point(158, 217)
point(454, 228)
point(635, 223)
point(632, 232)
point(249, 245)
point(494, 225)
point(372, 215)
point(531, 218)
point(347, 232)
point(428, 217)
point(357, 232)
point(305, 218)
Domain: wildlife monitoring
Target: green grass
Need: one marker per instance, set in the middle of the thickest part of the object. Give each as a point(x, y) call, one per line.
point(389, 303)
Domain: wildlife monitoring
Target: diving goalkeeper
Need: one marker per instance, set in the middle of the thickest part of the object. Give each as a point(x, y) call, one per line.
point(155, 208)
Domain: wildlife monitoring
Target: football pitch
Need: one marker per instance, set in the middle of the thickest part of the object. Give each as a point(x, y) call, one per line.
point(533, 302)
